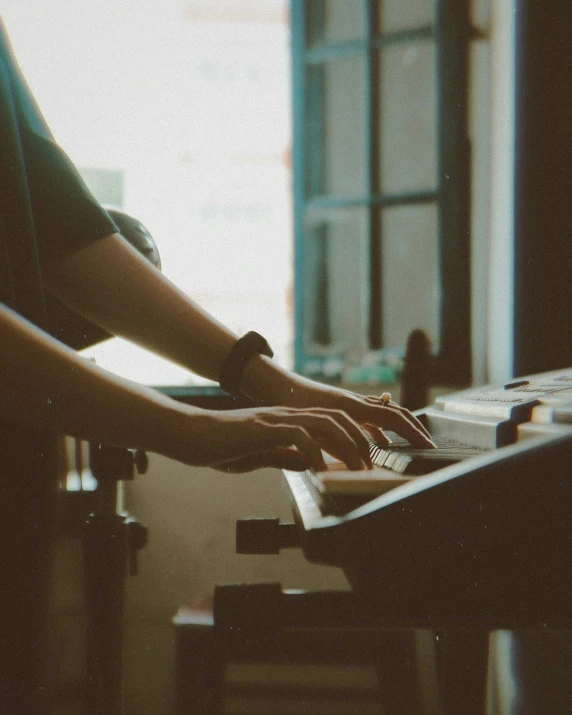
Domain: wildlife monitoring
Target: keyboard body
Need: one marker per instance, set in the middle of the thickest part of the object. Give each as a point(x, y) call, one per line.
point(479, 532)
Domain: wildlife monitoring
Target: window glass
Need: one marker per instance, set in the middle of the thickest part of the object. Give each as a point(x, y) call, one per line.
point(338, 143)
point(367, 135)
point(336, 281)
point(181, 118)
point(409, 273)
point(407, 117)
point(105, 184)
point(399, 15)
point(332, 21)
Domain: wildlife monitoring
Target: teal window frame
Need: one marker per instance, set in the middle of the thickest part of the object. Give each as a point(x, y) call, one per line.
point(451, 34)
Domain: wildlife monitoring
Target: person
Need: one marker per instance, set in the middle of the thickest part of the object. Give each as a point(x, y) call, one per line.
point(56, 240)
point(66, 244)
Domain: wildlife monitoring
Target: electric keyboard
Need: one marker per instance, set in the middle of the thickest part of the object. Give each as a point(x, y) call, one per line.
point(479, 529)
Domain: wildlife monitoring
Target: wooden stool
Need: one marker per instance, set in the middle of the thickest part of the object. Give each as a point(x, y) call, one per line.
point(263, 624)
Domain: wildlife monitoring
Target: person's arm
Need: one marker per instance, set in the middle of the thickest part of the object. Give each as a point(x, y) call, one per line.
point(113, 286)
point(47, 385)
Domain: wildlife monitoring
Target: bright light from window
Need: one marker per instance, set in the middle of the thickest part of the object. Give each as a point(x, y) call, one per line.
point(189, 101)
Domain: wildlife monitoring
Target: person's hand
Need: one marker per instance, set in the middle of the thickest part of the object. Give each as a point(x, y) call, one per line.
point(373, 413)
point(281, 437)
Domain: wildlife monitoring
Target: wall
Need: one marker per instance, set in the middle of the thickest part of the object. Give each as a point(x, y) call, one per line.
point(499, 295)
point(492, 136)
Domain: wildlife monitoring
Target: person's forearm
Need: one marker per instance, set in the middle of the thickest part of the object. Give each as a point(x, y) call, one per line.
point(112, 285)
point(47, 385)
point(266, 382)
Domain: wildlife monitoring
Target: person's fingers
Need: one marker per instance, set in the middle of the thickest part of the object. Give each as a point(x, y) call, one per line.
point(310, 431)
point(377, 435)
point(336, 443)
point(390, 418)
point(286, 435)
point(411, 417)
point(336, 432)
point(322, 431)
point(378, 402)
point(338, 428)
point(279, 458)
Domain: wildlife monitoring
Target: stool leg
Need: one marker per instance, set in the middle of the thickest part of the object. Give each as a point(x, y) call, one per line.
point(463, 666)
point(402, 662)
point(215, 680)
point(199, 674)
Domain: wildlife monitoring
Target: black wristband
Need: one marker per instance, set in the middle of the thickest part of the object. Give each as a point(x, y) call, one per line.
point(233, 367)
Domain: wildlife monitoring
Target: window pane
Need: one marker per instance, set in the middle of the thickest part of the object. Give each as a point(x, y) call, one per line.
point(408, 117)
point(409, 273)
point(336, 282)
point(331, 21)
point(186, 125)
point(105, 184)
point(398, 15)
point(336, 134)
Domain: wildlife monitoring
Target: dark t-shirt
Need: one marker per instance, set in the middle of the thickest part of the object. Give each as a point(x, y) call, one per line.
point(46, 211)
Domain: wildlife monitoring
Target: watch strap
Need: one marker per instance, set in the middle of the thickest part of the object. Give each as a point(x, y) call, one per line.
point(232, 369)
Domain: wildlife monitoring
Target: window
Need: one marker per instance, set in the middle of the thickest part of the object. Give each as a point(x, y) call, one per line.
point(105, 184)
point(178, 112)
point(381, 169)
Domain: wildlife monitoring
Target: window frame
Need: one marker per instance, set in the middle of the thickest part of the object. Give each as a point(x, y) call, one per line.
point(451, 363)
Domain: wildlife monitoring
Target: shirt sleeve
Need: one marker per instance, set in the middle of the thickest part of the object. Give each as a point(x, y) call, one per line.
point(67, 217)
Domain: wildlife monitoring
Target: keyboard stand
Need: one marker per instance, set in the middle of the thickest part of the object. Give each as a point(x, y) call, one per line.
point(111, 543)
point(419, 670)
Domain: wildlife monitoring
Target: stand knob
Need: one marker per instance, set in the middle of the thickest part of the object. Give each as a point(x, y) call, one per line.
point(265, 536)
point(116, 463)
point(141, 461)
point(138, 535)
